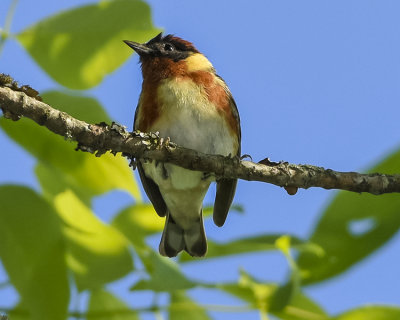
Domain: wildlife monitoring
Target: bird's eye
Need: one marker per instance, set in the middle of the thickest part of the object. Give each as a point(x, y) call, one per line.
point(168, 47)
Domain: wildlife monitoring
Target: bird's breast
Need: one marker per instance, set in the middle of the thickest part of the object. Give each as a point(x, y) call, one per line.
point(191, 119)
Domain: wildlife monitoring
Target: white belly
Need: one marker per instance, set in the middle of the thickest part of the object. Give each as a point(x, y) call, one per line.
point(191, 121)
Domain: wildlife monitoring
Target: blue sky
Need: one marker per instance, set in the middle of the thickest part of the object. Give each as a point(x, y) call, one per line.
point(315, 82)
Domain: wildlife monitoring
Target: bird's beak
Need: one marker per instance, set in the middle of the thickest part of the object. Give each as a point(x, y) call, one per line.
point(141, 49)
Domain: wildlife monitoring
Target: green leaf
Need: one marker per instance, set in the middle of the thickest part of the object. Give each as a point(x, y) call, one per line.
point(246, 245)
point(301, 308)
point(253, 292)
point(209, 209)
point(19, 312)
point(93, 175)
point(285, 293)
point(241, 291)
point(138, 221)
point(165, 274)
point(371, 313)
point(351, 228)
point(43, 144)
point(80, 46)
point(283, 296)
point(103, 305)
point(268, 297)
point(60, 166)
point(97, 253)
point(32, 251)
point(183, 308)
point(53, 182)
point(76, 105)
point(260, 296)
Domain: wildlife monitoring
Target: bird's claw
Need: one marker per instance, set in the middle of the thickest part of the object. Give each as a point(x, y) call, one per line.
point(246, 156)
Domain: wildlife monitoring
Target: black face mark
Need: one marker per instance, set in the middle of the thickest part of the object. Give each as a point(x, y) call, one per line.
point(171, 47)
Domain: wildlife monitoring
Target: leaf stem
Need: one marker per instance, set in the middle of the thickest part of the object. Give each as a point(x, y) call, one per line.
point(5, 32)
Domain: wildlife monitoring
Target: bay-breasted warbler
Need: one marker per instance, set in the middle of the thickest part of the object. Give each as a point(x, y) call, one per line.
point(185, 100)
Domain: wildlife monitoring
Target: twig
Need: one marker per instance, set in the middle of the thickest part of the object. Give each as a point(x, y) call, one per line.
point(100, 138)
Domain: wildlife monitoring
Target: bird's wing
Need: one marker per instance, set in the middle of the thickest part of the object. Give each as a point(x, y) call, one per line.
point(226, 187)
point(153, 192)
point(149, 186)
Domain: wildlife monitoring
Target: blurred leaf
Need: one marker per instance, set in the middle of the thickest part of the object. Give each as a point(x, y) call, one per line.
point(96, 253)
point(32, 252)
point(80, 46)
point(53, 181)
point(19, 312)
point(258, 295)
point(183, 308)
point(241, 291)
point(246, 245)
point(43, 144)
point(165, 274)
point(253, 292)
point(209, 209)
point(285, 293)
point(138, 221)
point(352, 227)
point(371, 313)
point(93, 177)
point(60, 166)
point(103, 305)
point(102, 174)
point(301, 308)
point(76, 105)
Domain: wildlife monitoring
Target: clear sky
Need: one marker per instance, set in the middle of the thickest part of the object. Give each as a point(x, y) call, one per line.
point(316, 82)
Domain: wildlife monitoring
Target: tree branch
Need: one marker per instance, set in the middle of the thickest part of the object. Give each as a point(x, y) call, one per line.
point(17, 102)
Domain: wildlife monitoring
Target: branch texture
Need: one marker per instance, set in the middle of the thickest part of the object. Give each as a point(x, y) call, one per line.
point(17, 102)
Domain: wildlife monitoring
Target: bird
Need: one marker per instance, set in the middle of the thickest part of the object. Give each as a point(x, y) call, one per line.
point(186, 101)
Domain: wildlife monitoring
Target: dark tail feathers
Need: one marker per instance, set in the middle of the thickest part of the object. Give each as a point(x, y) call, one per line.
point(175, 239)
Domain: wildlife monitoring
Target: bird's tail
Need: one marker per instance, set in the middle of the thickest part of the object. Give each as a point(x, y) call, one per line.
point(175, 239)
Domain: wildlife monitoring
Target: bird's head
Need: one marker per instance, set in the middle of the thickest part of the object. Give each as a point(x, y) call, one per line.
point(169, 55)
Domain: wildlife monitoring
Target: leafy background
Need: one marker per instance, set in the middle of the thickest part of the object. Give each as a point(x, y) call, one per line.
point(315, 83)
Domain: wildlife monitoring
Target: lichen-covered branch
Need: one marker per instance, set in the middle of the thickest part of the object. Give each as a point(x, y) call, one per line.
point(17, 102)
